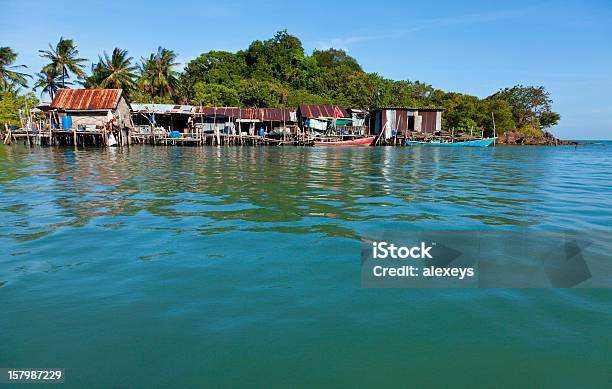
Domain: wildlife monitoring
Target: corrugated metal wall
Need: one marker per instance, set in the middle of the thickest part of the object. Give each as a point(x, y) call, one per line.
point(401, 122)
point(429, 121)
point(399, 119)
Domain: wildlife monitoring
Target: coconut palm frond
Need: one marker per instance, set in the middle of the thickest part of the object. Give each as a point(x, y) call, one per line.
point(10, 76)
point(64, 60)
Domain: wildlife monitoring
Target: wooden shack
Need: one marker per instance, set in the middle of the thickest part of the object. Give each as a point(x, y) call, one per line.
point(401, 121)
point(90, 116)
point(316, 117)
point(246, 121)
point(89, 108)
point(152, 121)
point(321, 117)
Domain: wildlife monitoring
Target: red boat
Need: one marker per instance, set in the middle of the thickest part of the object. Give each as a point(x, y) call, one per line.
point(353, 142)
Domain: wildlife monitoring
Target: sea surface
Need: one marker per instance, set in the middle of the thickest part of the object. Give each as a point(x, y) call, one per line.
point(240, 266)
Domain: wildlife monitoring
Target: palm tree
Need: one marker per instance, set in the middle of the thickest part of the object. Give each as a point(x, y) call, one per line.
point(157, 75)
point(115, 71)
point(64, 60)
point(9, 75)
point(49, 82)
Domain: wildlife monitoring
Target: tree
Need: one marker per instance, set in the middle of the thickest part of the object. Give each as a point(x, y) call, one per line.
point(531, 106)
point(548, 119)
point(335, 57)
point(458, 107)
point(9, 74)
point(280, 59)
point(495, 107)
point(468, 126)
point(114, 71)
point(256, 93)
point(157, 74)
point(301, 96)
point(64, 60)
point(218, 67)
point(48, 81)
point(213, 67)
point(360, 89)
point(11, 103)
point(277, 72)
point(215, 95)
point(404, 93)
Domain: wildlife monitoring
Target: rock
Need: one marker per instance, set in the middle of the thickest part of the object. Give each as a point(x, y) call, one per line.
point(515, 138)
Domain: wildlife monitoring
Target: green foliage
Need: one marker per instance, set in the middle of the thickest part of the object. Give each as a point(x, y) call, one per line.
point(531, 106)
point(9, 74)
point(115, 71)
point(531, 129)
point(278, 73)
point(215, 95)
point(404, 94)
point(458, 107)
point(280, 58)
point(157, 74)
point(303, 96)
point(64, 60)
point(214, 67)
point(48, 82)
point(548, 119)
point(468, 126)
point(141, 96)
point(11, 103)
point(495, 108)
point(256, 93)
point(335, 58)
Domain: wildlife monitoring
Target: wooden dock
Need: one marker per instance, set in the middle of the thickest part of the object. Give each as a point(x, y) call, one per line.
point(199, 139)
point(97, 138)
point(65, 137)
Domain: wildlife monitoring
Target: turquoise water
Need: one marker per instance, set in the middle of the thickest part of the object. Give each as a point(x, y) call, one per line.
point(225, 267)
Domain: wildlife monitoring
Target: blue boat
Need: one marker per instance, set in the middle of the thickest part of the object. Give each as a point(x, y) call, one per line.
point(468, 143)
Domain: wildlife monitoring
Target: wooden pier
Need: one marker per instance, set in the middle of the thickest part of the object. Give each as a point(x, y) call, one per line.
point(98, 138)
point(65, 137)
point(199, 139)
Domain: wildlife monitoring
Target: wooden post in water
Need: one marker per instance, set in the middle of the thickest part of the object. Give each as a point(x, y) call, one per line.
point(494, 129)
point(7, 138)
point(50, 129)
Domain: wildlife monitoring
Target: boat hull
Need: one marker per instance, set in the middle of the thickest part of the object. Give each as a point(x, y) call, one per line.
point(468, 143)
point(355, 142)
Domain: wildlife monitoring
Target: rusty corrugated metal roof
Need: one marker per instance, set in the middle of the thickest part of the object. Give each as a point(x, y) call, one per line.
point(262, 114)
point(86, 99)
point(409, 109)
point(321, 111)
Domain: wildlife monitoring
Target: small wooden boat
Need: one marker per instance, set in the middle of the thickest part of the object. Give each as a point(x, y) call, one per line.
point(352, 142)
point(468, 143)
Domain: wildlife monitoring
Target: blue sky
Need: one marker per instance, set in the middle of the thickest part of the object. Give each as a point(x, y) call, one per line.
point(474, 47)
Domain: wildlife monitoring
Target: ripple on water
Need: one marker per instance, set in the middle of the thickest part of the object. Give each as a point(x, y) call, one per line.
point(208, 251)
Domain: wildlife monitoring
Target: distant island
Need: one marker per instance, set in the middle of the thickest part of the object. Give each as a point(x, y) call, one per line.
point(272, 73)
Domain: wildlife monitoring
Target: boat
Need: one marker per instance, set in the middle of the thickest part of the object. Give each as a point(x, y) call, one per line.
point(352, 142)
point(467, 143)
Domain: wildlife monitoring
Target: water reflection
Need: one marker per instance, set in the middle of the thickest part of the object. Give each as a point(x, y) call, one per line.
point(328, 191)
